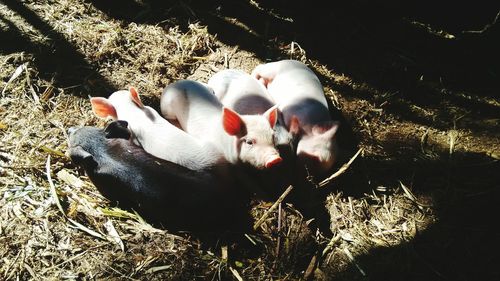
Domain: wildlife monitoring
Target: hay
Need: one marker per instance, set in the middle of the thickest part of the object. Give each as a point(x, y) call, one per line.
point(89, 240)
point(84, 238)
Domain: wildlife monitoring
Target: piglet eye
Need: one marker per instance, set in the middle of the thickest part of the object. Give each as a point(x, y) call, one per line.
point(250, 141)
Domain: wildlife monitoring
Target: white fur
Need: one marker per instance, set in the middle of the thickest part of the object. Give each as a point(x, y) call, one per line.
point(241, 92)
point(199, 113)
point(299, 93)
point(162, 139)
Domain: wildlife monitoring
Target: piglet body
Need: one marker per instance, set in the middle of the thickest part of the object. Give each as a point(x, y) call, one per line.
point(161, 191)
point(155, 134)
point(240, 92)
point(244, 94)
point(300, 96)
point(246, 139)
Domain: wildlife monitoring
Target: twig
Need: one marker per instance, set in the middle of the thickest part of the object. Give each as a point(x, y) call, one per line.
point(30, 270)
point(278, 242)
point(113, 234)
point(52, 187)
point(453, 136)
point(16, 74)
point(236, 274)
point(412, 197)
point(268, 212)
point(351, 258)
point(7, 271)
point(33, 93)
point(224, 254)
point(341, 170)
point(332, 242)
point(311, 267)
point(58, 203)
point(486, 27)
point(226, 60)
point(158, 268)
point(250, 239)
point(423, 140)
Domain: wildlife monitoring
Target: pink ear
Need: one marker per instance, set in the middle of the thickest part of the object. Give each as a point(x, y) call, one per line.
point(135, 97)
point(264, 73)
point(272, 115)
point(232, 122)
point(294, 125)
point(263, 81)
point(328, 128)
point(103, 108)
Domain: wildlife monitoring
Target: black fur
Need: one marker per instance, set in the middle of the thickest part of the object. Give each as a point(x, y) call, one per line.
point(161, 191)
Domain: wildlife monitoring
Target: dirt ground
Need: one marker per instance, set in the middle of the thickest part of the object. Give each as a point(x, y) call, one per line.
point(415, 86)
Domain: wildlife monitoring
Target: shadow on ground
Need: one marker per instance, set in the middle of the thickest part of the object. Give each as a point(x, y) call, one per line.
point(434, 56)
point(57, 60)
point(410, 49)
point(461, 245)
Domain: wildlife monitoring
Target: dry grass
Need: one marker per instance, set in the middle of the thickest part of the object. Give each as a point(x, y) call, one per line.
point(37, 240)
point(89, 240)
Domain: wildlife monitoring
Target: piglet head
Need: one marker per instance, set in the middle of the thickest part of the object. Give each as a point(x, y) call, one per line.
point(254, 137)
point(78, 151)
point(87, 144)
point(318, 149)
point(107, 107)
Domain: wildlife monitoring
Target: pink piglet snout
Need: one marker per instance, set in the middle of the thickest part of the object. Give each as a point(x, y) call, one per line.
point(273, 161)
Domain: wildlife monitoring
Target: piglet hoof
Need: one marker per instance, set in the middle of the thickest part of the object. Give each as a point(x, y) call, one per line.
point(273, 162)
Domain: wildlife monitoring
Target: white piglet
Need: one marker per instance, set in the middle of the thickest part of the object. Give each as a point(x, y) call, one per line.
point(244, 94)
point(155, 134)
point(244, 139)
point(300, 96)
point(240, 92)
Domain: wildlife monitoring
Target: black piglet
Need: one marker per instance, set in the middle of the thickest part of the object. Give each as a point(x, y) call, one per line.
point(161, 191)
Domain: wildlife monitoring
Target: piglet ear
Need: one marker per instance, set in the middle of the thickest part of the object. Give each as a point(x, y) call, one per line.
point(327, 129)
point(135, 97)
point(294, 128)
point(117, 130)
point(272, 115)
point(103, 108)
point(232, 123)
point(264, 81)
point(257, 73)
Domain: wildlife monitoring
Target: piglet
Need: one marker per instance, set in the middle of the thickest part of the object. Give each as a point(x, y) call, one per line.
point(246, 139)
point(244, 94)
point(240, 92)
point(161, 191)
point(302, 102)
point(155, 134)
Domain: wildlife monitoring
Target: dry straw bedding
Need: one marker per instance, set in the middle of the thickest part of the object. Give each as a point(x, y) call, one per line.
point(88, 239)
